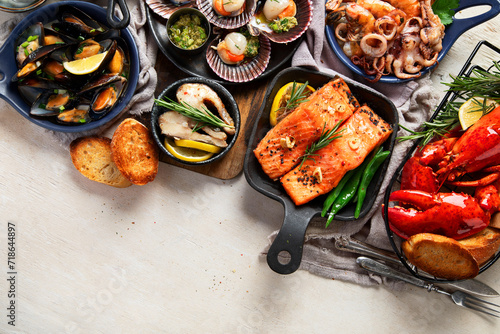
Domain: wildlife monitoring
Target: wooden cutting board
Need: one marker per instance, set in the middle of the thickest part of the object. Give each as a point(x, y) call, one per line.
point(248, 96)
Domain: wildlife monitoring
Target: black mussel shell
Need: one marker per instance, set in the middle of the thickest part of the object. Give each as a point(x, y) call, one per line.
point(75, 23)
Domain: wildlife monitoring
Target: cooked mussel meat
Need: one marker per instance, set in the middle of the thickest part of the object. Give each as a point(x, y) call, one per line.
point(52, 103)
point(30, 40)
point(104, 93)
point(35, 59)
point(76, 115)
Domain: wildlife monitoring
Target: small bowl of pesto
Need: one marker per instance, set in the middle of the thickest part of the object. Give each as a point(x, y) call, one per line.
point(188, 31)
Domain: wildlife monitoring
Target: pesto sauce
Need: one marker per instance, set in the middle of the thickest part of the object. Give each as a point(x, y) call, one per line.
point(187, 32)
point(283, 25)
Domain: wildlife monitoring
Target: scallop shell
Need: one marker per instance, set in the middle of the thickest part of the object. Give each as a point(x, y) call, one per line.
point(304, 17)
point(232, 22)
point(244, 72)
point(165, 8)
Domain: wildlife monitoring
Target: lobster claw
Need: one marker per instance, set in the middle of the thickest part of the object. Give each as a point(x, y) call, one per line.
point(455, 215)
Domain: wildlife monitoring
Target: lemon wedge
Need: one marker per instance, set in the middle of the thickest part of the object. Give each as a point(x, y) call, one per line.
point(198, 145)
point(282, 97)
point(85, 65)
point(472, 110)
point(186, 153)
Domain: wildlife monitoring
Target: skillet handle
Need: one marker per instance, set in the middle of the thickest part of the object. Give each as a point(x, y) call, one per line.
point(459, 26)
point(290, 239)
point(110, 18)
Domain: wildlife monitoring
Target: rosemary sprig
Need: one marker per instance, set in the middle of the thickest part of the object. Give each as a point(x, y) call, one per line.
point(324, 139)
point(297, 96)
point(480, 84)
point(204, 117)
point(444, 122)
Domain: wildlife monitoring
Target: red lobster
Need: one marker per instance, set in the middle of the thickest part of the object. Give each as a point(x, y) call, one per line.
point(455, 215)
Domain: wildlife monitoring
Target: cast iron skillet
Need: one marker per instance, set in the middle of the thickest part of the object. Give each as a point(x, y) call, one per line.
point(8, 67)
point(291, 235)
point(452, 33)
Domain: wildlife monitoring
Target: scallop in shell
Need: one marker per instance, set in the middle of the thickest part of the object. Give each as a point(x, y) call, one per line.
point(247, 70)
point(227, 22)
point(259, 24)
point(167, 8)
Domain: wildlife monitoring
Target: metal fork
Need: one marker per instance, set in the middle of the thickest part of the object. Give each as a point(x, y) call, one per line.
point(353, 245)
point(459, 298)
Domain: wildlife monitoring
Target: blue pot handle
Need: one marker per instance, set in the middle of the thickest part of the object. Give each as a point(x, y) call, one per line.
point(8, 68)
point(459, 26)
point(114, 22)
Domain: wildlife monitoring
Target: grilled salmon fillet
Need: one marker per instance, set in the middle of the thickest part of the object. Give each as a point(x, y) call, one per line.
point(279, 151)
point(361, 133)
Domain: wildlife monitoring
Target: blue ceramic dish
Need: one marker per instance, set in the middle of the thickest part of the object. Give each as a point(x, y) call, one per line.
point(8, 67)
point(452, 32)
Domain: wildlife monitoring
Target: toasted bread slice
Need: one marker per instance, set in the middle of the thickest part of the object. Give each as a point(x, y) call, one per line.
point(135, 152)
point(482, 245)
point(440, 256)
point(495, 220)
point(92, 157)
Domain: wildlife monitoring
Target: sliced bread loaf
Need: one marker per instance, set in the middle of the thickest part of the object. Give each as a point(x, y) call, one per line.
point(482, 245)
point(135, 152)
point(440, 256)
point(92, 157)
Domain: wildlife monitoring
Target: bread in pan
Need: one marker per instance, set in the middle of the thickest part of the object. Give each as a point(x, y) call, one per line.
point(440, 256)
point(482, 245)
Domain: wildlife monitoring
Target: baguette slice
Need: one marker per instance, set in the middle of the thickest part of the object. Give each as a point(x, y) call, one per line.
point(135, 152)
point(482, 245)
point(495, 220)
point(92, 157)
point(440, 256)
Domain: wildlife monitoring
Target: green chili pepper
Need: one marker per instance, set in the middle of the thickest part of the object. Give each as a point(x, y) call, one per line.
point(368, 174)
point(332, 196)
point(347, 193)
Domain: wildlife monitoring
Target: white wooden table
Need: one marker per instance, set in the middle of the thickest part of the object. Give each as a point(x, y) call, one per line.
point(181, 254)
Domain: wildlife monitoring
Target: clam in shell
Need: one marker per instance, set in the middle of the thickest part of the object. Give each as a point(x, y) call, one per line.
point(227, 22)
point(258, 25)
point(245, 71)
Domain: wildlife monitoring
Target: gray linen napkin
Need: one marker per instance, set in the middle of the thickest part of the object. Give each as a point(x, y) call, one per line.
point(415, 102)
point(143, 99)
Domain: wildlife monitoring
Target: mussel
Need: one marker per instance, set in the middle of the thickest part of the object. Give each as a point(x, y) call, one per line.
point(30, 40)
point(75, 23)
point(103, 93)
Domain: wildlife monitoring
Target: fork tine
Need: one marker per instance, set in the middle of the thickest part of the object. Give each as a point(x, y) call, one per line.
point(482, 300)
point(482, 308)
point(480, 305)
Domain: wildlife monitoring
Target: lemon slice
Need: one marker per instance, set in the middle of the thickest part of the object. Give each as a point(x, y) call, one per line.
point(186, 153)
point(472, 110)
point(197, 145)
point(84, 65)
point(282, 97)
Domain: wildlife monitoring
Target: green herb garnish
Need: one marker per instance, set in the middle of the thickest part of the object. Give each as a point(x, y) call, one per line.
point(297, 96)
point(204, 117)
point(480, 84)
point(445, 10)
point(325, 138)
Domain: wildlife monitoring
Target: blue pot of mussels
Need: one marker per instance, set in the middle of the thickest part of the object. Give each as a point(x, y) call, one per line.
point(64, 69)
